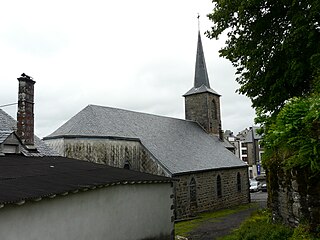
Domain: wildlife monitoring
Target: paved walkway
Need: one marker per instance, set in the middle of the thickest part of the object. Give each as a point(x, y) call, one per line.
point(224, 225)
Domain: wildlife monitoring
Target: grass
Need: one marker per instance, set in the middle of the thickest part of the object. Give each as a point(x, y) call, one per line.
point(260, 227)
point(184, 227)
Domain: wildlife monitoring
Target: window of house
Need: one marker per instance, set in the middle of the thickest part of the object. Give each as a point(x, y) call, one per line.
point(193, 191)
point(219, 186)
point(238, 182)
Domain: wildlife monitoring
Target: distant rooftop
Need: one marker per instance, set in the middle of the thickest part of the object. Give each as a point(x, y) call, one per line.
point(8, 125)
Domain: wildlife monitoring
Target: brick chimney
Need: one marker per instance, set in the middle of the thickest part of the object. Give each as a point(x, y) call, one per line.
point(25, 116)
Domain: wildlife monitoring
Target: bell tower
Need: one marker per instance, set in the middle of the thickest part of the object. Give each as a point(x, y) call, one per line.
point(202, 104)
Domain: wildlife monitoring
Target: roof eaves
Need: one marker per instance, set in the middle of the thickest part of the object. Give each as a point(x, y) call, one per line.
point(207, 170)
point(91, 137)
point(81, 188)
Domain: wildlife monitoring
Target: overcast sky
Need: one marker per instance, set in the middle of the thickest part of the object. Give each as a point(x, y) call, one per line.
point(135, 55)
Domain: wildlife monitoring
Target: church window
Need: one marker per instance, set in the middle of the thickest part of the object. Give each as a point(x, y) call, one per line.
point(219, 186)
point(238, 182)
point(214, 109)
point(126, 165)
point(193, 191)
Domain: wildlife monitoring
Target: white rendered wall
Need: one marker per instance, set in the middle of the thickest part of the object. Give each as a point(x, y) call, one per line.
point(120, 212)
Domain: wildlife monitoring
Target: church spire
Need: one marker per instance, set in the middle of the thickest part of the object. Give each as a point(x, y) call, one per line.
point(201, 79)
point(201, 74)
point(202, 104)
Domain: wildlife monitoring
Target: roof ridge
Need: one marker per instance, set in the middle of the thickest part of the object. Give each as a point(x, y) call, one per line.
point(136, 112)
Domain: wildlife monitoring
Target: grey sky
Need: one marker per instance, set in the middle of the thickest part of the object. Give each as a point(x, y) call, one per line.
point(136, 55)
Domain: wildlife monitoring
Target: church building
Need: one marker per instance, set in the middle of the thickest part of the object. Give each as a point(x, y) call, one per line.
point(209, 176)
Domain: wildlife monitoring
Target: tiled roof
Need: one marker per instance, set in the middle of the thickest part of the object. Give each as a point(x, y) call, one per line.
point(30, 178)
point(201, 89)
point(4, 135)
point(180, 146)
point(252, 134)
point(8, 124)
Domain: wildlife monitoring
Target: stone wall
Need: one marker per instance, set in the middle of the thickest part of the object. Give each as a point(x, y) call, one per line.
point(115, 152)
point(294, 197)
point(204, 108)
point(112, 152)
point(207, 193)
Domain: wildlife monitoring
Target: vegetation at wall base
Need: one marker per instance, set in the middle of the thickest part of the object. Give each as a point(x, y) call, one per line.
point(182, 228)
point(261, 227)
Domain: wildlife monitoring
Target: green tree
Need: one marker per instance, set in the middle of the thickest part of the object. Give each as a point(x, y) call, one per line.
point(275, 46)
point(293, 140)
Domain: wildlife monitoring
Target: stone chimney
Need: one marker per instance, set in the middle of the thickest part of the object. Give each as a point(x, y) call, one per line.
point(25, 116)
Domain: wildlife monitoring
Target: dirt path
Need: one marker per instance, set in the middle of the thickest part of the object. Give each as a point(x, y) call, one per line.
point(221, 226)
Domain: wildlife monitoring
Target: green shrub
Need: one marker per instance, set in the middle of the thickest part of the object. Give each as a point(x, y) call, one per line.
point(302, 232)
point(293, 139)
point(259, 227)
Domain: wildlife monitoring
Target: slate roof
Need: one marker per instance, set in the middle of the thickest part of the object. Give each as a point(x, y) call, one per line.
point(181, 146)
point(201, 80)
point(4, 135)
point(8, 125)
point(255, 135)
point(30, 178)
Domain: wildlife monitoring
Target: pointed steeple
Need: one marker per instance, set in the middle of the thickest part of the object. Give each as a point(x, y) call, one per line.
point(201, 74)
point(202, 104)
point(201, 79)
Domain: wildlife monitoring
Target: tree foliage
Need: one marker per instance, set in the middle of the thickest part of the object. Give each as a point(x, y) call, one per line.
point(293, 140)
point(275, 46)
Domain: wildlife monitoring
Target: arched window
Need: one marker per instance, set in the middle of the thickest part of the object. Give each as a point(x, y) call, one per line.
point(127, 165)
point(193, 190)
point(238, 182)
point(219, 186)
point(214, 110)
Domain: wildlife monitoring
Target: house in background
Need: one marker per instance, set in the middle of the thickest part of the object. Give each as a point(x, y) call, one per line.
point(248, 148)
point(18, 136)
point(52, 197)
point(192, 150)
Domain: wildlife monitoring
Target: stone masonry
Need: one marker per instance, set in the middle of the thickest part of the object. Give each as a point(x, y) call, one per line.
point(204, 108)
point(116, 152)
point(25, 118)
point(294, 197)
point(112, 152)
point(207, 194)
